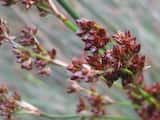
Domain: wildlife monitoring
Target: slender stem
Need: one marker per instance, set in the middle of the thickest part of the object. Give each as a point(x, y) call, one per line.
point(70, 25)
point(46, 115)
point(56, 11)
point(62, 17)
point(68, 8)
point(27, 108)
point(74, 116)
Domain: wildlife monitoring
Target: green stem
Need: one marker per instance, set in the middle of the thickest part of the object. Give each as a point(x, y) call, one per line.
point(68, 8)
point(72, 117)
point(60, 117)
point(66, 21)
point(70, 25)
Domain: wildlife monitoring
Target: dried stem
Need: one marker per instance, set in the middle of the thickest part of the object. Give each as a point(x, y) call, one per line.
point(62, 17)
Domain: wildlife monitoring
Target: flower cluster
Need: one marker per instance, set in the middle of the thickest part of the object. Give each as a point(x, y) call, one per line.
point(105, 58)
point(41, 5)
point(119, 56)
point(91, 101)
point(3, 30)
point(81, 71)
point(149, 105)
point(8, 103)
point(94, 103)
point(30, 54)
point(92, 35)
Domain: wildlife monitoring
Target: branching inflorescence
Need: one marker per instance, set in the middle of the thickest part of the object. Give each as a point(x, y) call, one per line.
point(105, 58)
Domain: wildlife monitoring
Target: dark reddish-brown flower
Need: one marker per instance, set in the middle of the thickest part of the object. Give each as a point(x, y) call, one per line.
point(8, 103)
point(127, 40)
point(27, 36)
point(92, 35)
point(97, 103)
point(93, 103)
point(31, 54)
point(119, 56)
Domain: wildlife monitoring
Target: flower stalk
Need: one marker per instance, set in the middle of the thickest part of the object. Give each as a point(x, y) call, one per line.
point(61, 16)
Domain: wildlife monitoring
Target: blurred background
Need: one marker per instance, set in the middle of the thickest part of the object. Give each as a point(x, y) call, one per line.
point(141, 17)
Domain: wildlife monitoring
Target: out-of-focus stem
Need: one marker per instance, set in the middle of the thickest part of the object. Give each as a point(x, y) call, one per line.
point(75, 116)
point(61, 16)
point(68, 8)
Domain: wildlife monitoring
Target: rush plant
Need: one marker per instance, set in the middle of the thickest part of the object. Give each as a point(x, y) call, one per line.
point(106, 58)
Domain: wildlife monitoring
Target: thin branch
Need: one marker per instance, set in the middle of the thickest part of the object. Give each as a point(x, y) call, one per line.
point(61, 16)
point(56, 11)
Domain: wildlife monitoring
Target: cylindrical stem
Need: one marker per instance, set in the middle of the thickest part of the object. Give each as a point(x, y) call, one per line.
point(62, 17)
point(68, 8)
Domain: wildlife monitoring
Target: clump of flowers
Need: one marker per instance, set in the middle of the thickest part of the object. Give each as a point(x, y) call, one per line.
point(41, 5)
point(30, 54)
point(107, 57)
point(90, 101)
point(92, 35)
point(8, 103)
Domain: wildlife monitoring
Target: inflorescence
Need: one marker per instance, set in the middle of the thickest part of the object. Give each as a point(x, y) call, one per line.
point(41, 5)
point(27, 49)
point(8, 103)
point(106, 57)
